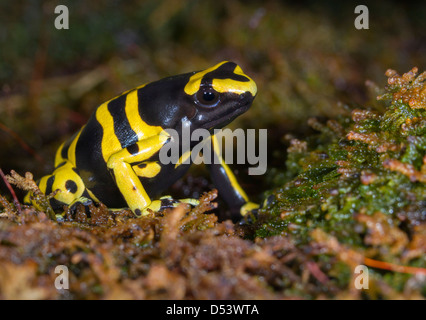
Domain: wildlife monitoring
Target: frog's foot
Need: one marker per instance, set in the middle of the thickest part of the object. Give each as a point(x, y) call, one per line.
point(248, 207)
point(86, 202)
point(167, 202)
point(253, 208)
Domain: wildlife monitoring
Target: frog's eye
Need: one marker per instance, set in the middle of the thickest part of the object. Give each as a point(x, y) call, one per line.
point(207, 97)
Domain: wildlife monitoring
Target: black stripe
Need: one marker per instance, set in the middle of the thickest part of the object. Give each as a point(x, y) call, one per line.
point(57, 206)
point(88, 152)
point(49, 185)
point(226, 71)
point(61, 164)
point(160, 102)
point(92, 168)
point(122, 129)
point(64, 151)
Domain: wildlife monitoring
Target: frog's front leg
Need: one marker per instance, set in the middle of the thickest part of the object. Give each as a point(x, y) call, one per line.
point(125, 176)
point(227, 183)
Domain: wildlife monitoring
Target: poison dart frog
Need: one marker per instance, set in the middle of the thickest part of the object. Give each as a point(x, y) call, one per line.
point(114, 157)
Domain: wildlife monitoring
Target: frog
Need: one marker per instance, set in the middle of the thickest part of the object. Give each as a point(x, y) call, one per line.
point(114, 158)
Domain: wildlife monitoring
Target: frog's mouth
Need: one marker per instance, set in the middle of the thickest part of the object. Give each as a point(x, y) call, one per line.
point(228, 117)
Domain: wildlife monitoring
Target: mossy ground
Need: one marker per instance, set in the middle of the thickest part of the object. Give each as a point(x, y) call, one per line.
point(346, 175)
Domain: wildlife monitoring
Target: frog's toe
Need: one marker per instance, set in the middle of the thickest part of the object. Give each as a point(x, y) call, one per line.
point(86, 202)
point(82, 200)
point(191, 201)
point(248, 207)
point(169, 202)
point(165, 202)
point(156, 206)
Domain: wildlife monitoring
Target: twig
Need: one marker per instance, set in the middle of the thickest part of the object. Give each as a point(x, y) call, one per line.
point(15, 198)
point(393, 267)
point(316, 272)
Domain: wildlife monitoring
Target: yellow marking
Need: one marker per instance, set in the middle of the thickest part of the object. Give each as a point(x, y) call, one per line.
point(249, 206)
point(71, 149)
point(115, 209)
point(191, 201)
point(228, 171)
point(27, 198)
point(154, 206)
point(183, 158)
point(194, 82)
point(130, 187)
point(125, 177)
point(92, 195)
point(110, 143)
point(62, 175)
point(58, 156)
point(42, 185)
point(147, 148)
point(142, 129)
point(239, 87)
point(222, 85)
point(150, 171)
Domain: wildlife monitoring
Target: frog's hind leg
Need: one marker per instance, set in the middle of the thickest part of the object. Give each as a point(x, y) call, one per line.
point(69, 185)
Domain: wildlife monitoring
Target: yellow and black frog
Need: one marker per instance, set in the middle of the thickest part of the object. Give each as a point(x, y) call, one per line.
point(114, 158)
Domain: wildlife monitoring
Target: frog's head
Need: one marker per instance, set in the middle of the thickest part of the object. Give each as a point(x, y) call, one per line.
point(206, 99)
point(218, 95)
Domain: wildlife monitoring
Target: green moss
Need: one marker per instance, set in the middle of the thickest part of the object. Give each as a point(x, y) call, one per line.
point(365, 163)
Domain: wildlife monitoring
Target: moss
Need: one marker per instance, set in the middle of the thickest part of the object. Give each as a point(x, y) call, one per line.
point(361, 164)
